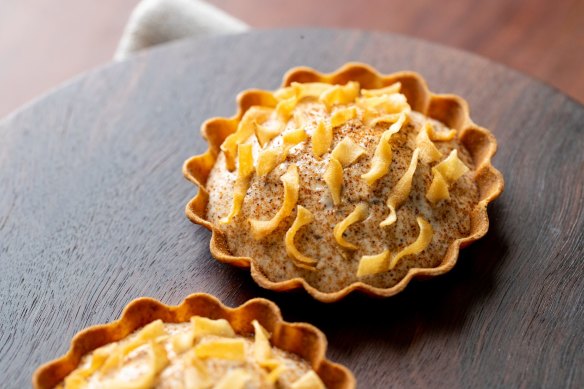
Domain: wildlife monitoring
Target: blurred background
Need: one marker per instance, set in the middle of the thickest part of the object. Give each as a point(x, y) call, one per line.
point(45, 42)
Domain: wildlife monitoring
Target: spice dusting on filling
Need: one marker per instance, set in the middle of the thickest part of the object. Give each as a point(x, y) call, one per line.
point(337, 184)
point(201, 354)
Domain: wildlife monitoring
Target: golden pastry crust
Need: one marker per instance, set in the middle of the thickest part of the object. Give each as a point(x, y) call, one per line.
point(475, 147)
point(300, 339)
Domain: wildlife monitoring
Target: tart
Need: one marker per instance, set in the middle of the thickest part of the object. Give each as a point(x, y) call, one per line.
point(345, 181)
point(197, 344)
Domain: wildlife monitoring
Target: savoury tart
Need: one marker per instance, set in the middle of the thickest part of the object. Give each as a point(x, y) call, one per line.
point(198, 344)
point(345, 181)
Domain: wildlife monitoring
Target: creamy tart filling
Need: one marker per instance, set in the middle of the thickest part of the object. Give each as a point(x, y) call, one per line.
point(201, 354)
point(337, 184)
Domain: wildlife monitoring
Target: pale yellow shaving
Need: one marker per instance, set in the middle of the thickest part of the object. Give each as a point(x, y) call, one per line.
point(373, 264)
point(285, 93)
point(202, 326)
point(340, 94)
point(265, 133)
point(321, 139)
point(303, 217)
point(388, 90)
point(222, 348)
point(445, 174)
point(440, 136)
point(245, 129)
point(310, 380)
point(292, 138)
point(234, 379)
point(274, 375)
point(149, 332)
point(386, 104)
point(342, 116)
point(401, 190)
point(310, 89)
point(244, 170)
point(390, 118)
point(285, 107)
point(428, 151)
point(181, 342)
point(270, 364)
point(157, 360)
point(438, 189)
point(380, 263)
point(421, 243)
point(347, 151)
point(261, 228)
point(262, 350)
point(77, 379)
point(360, 213)
point(382, 157)
point(269, 158)
point(333, 176)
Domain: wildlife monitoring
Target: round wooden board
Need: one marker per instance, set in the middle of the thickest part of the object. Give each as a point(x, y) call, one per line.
point(92, 215)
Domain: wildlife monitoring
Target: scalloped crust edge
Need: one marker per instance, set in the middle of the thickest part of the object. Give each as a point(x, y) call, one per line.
point(449, 109)
point(302, 339)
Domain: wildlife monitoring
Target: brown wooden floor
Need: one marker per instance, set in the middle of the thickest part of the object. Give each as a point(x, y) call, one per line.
point(44, 42)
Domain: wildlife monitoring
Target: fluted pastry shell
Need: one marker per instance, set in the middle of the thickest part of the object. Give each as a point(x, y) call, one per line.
point(451, 110)
point(301, 339)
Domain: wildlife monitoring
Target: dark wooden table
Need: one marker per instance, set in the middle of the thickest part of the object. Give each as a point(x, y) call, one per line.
point(92, 199)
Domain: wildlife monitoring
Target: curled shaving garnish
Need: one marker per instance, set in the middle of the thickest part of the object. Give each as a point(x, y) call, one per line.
point(373, 264)
point(440, 136)
point(269, 158)
point(262, 350)
point(390, 118)
point(149, 332)
point(265, 133)
point(347, 151)
point(285, 107)
point(401, 191)
point(421, 243)
point(333, 176)
point(386, 104)
point(285, 93)
point(224, 348)
point(303, 217)
point(79, 376)
point(428, 151)
point(244, 170)
point(157, 360)
point(202, 326)
point(309, 380)
point(234, 379)
point(261, 228)
point(340, 94)
point(360, 213)
point(342, 116)
point(344, 154)
point(445, 174)
point(321, 139)
point(382, 157)
point(310, 89)
point(112, 356)
point(380, 263)
point(388, 90)
point(245, 129)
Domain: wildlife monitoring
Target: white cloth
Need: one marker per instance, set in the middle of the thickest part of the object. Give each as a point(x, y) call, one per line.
point(158, 21)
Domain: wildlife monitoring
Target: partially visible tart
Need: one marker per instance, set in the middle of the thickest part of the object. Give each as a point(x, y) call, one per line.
point(199, 344)
point(345, 181)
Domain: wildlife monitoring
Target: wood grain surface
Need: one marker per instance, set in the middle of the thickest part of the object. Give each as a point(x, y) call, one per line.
point(92, 216)
point(540, 37)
